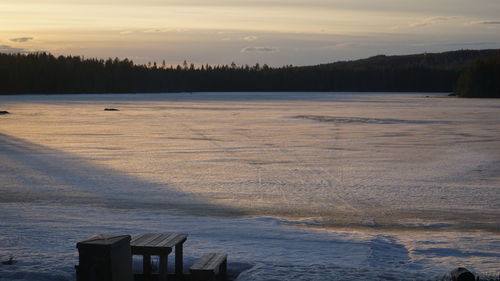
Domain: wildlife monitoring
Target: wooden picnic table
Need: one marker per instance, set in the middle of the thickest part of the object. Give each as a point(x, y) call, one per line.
point(158, 244)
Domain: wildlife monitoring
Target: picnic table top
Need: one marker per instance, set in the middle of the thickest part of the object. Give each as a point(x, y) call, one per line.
point(156, 241)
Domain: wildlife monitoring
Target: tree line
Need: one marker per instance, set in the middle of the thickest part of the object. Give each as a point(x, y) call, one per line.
point(47, 74)
point(481, 79)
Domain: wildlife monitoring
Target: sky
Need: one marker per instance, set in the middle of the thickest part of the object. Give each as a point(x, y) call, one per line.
point(275, 32)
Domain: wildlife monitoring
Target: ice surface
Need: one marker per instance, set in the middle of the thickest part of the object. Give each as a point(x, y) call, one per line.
point(387, 186)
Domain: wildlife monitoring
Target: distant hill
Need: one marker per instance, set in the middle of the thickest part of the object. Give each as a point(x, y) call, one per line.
point(427, 72)
point(45, 73)
point(481, 79)
point(451, 59)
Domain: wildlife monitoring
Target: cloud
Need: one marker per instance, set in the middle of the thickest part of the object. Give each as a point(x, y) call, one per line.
point(225, 32)
point(465, 45)
point(11, 50)
point(165, 30)
point(335, 46)
point(430, 21)
point(21, 39)
point(260, 50)
point(484, 22)
point(449, 7)
point(154, 30)
point(250, 38)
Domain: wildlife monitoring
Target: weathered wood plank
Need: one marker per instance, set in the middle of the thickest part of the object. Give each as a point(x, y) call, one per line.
point(137, 238)
point(140, 238)
point(209, 261)
point(201, 262)
point(173, 240)
point(144, 239)
point(167, 240)
point(204, 268)
point(154, 242)
point(158, 240)
point(216, 261)
point(151, 237)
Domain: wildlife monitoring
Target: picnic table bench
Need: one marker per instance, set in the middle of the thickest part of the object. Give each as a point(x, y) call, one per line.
point(161, 245)
point(204, 268)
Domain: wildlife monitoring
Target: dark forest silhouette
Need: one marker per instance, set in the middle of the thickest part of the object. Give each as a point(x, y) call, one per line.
point(481, 79)
point(45, 73)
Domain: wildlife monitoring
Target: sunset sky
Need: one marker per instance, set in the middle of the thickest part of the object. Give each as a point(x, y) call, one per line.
point(276, 32)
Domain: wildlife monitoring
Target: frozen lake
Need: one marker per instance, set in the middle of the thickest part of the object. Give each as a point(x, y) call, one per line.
point(304, 186)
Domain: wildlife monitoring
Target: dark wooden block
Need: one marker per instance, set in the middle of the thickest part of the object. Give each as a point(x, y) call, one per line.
point(104, 258)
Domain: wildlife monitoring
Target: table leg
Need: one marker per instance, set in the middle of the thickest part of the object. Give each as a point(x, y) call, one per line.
point(146, 265)
point(178, 260)
point(163, 268)
point(223, 271)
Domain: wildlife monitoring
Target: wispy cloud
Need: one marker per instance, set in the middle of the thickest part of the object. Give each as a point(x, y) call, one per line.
point(465, 44)
point(260, 50)
point(11, 50)
point(430, 21)
point(486, 22)
point(250, 38)
point(166, 30)
point(237, 37)
point(21, 39)
point(154, 30)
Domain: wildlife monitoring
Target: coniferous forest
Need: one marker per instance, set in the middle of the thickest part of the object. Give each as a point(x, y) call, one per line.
point(481, 79)
point(43, 73)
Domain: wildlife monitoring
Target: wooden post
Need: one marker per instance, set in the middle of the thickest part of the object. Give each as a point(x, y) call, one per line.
point(223, 271)
point(146, 265)
point(163, 268)
point(178, 260)
point(462, 274)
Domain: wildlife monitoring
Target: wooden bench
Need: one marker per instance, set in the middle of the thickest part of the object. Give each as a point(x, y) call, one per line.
point(161, 245)
point(204, 268)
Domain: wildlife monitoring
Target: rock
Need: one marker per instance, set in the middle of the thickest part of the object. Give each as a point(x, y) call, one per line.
point(111, 109)
point(2, 112)
point(9, 261)
point(462, 274)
